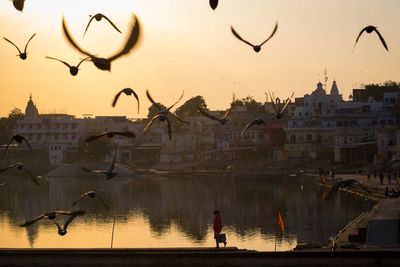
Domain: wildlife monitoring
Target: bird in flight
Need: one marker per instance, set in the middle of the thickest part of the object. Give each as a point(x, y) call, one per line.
point(91, 194)
point(109, 172)
point(21, 166)
point(224, 118)
point(127, 91)
point(110, 134)
point(343, 184)
point(162, 114)
point(18, 4)
point(99, 17)
point(213, 4)
point(250, 124)
point(275, 102)
point(370, 29)
point(19, 139)
point(72, 69)
point(52, 216)
point(105, 63)
point(256, 48)
point(24, 54)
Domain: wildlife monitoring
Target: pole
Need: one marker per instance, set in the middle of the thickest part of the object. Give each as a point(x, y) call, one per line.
point(112, 234)
point(276, 230)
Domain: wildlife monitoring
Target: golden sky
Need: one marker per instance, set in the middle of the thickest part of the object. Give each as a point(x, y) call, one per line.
point(188, 46)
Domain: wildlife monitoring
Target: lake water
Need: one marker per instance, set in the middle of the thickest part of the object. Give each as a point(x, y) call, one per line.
point(161, 211)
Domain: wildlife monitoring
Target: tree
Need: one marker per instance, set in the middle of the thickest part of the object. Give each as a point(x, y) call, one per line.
point(249, 102)
point(14, 115)
point(153, 110)
point(189, 108)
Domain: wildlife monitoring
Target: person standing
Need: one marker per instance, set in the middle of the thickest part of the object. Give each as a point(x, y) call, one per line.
point(217, 227)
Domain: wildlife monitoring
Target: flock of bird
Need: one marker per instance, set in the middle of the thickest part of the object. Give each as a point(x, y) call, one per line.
point(163, 114)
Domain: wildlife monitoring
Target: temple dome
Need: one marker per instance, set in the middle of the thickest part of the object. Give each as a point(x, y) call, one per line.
point(31, 110)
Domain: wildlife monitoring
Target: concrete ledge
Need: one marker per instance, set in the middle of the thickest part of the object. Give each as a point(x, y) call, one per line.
point(194, 257)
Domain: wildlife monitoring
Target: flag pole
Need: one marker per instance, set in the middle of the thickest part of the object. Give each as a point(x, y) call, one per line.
point(112, 234)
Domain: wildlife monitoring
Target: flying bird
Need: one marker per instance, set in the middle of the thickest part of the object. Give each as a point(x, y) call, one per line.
point(109, 172)
point(52, 216)
point(24, 54)
point(256, 121)
point(110, 134)
point(256, 48)
point(279, 113)
point(370, 29)
point(72, 69)
point(18, 4)
point(162, 114)
point(91, 194)
point(19, 139)
point(127, 91)
point(213, 4)
point(99, 17)
point(63, 230)
point(224, 118)
point(21, 166)
point(105, 63)
point(343, 184)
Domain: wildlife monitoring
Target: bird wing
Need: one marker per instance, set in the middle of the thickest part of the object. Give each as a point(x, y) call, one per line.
point(273, 103)
point(9, 167)
point(358, 37)
point(92, 171)
point(169, 128)
point(65, 63)
point(80, 62)
point(29, 146)
point(72, 217)
point(253, 122)
point(87, 26)
point(176, 101)
point(112, 24)
point(12, 44)
point(112, 164)
point(33, 177)
point(126, 134)
point(240, 38)
point(3, 184)
point(33, 221)
point(71, 40)
point(26, 46)
point(381, 38)
point(5, 150)
point(179, 119)
point(96, 136)
point(102, 202)
point(80, 197)
point(19, 4)
point(272, 34)
point(152, 101)
point(137, 98)
point(287, 102)
point(229, 109)
point(362, 186)
point(206, 114)
point(150, 123)
point(116, 98)
point(132, 40)
point(333, 190)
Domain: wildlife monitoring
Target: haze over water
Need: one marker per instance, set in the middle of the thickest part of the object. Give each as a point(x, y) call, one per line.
point(160, 211)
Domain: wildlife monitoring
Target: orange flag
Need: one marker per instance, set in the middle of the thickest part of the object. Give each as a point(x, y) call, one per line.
point(280, 223)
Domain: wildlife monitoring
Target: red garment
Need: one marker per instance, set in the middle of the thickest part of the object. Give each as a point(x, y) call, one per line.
point(217, 226)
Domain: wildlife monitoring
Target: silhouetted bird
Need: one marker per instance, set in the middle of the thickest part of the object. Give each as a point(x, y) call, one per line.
point(105, 63)
point(127, 91)
point(72, 69)
point(17, 138)
point(213, 4)
point(162, 114)
point(370, 29)
point(21, 166)
point(279, 113)
point(90, 194)
point(99, 17)
point(253, 122)
point(24, 54)
point(224, 118)
point(343, 184)
point(63, 230)
point(110, 134)
point(52, 215)
point(256, 48)
point(19, 4)
point(109, 172)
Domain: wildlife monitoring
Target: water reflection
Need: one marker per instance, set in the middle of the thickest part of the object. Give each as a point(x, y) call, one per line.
point(157, 211)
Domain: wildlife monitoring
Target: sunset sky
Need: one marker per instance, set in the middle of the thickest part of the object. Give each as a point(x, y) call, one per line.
point(188, 46)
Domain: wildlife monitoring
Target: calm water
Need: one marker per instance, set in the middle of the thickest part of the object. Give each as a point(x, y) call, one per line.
point(159, 211)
